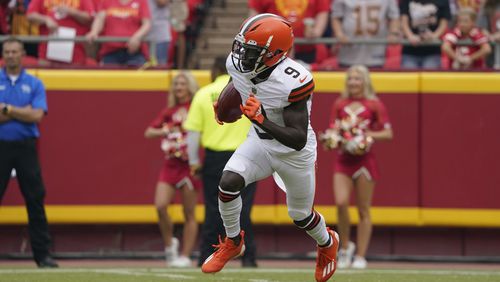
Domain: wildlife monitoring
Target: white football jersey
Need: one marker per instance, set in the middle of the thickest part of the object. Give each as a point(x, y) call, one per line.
point(289, 82)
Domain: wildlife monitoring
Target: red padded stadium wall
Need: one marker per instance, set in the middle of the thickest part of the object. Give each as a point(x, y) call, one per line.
point(460, 151)
point(93, 151)
point(398, 185)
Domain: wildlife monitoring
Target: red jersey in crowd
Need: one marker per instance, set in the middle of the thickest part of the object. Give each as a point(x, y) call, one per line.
point(123, 20)
point(293, 11)
point(475, 35)
point(46, 7)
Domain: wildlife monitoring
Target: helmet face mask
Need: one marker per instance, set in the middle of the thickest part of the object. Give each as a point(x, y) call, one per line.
point(246, 57)
point(262, 42)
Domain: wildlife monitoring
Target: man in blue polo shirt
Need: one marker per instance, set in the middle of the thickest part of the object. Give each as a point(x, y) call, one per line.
point(22, 106)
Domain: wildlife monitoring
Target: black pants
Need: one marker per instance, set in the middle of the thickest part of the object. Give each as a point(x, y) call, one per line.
point(213, 225)
point(22, 156)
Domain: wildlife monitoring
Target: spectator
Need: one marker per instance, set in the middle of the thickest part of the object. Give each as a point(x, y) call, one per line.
point(4, 15)
point(19, 24)
point(51, 15)
point(489, 21)
point(23, 104)
point(179, 12)
point(364, 20)
point(457, 5)
point(358, 119)
point(219, 143)
point(123, 18)
point(160, 30)
point(309, 20)
point(175, 173)
point(423, 21)
point(469, 56)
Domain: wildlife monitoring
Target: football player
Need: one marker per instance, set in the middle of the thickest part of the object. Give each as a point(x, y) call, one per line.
point(277, 95)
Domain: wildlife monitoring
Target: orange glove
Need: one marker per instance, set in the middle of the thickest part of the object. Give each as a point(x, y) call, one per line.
point(215, 112)
point(253, 110)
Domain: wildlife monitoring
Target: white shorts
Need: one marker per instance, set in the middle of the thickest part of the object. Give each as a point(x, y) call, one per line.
point(254, 163)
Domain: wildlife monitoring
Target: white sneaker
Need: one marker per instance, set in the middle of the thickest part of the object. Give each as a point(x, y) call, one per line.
point(172, 251)
point(345, 256)
point(359, 263)
point(181, 261)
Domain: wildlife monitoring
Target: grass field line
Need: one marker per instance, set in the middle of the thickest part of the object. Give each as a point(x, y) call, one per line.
point(346, 271)
point(185, 273)
point(119, 271)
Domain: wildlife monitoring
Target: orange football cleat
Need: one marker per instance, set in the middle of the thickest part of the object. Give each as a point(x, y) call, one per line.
point(326, 263)
point(226, 251)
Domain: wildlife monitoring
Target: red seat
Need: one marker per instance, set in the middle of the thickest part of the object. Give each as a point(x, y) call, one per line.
point(393, 57)
point(322, 53)
point(90, 62)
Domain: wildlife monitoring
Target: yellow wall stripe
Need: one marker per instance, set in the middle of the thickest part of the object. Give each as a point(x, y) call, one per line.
point(394, 82)
point(461, 217)
point(115, 80)
point(452, 83)
point(384, 82)
point(261, 214)
point(104, 80)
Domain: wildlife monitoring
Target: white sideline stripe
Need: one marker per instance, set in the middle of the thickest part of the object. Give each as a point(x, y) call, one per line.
point(178, 273)
point(102, 271)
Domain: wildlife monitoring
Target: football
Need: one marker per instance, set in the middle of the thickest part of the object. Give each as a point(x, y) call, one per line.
point(228, 104)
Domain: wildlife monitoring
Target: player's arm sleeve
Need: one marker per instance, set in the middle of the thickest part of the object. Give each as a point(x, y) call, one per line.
point(193, 146)
point(301, 92)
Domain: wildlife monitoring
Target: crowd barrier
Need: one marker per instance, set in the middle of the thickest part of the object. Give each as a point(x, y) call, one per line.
point(440, 169)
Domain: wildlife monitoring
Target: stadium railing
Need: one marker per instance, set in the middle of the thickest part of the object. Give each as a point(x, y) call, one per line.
point(298, 41)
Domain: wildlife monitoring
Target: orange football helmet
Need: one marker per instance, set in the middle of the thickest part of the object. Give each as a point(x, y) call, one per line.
point(263, 41)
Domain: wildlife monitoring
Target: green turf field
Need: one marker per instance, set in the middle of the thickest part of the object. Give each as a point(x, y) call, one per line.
point(247, 275)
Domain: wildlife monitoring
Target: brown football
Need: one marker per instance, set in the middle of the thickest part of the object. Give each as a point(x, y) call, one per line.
point(228, 104)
